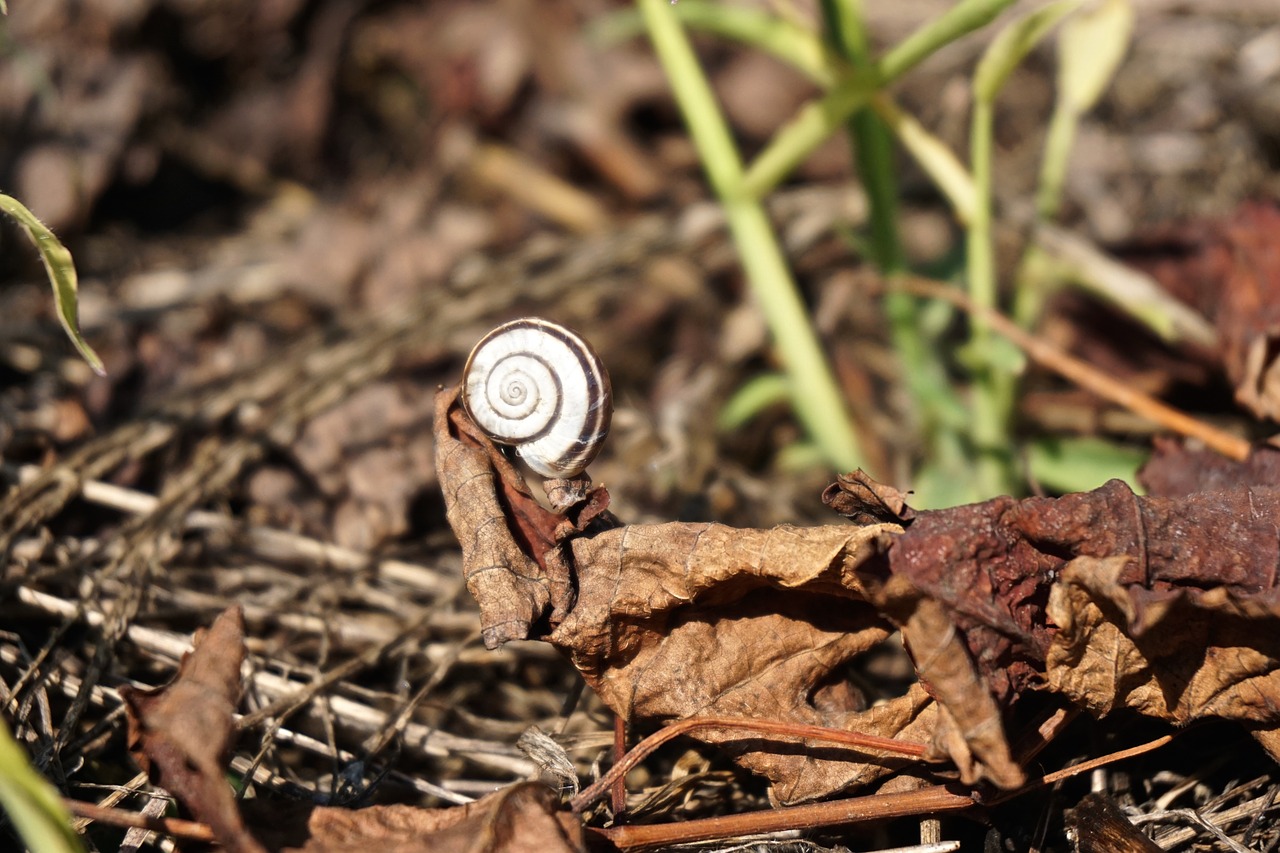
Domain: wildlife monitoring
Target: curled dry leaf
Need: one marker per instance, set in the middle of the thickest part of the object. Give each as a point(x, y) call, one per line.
point(1082, 594)
point(864, 501)
point(680, 620)
point(1230, 271)
point(1174, 654)
point(677, 620)
point(513, 584)
point(180, 733)
point(1164, 605)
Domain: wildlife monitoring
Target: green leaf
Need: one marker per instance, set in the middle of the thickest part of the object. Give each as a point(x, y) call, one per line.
point(1090, 48)
point(1080, 464)
point(937, 159)
point(787, 40)
point(31, 803)
point(61, 271)
point(800, 457)
point(959, 20)
point(992, 353)
point(1012, 45)
point(751, 399)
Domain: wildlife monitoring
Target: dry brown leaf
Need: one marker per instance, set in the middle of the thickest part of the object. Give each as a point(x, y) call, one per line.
point(864, 501)
point(993, 599)
point(180, 733)
point(513, 590)
point(969, 731)
point(677, 620)
point(680, 620)
point(522, 817)
point(1230, 271)
point(1165, 605)
point(1179, 655)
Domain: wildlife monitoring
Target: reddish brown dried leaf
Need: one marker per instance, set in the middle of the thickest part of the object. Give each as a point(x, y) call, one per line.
point(1175, 470)
point(1163, 605)
point(180, 733)
point(523, 817)
point(1230, 272)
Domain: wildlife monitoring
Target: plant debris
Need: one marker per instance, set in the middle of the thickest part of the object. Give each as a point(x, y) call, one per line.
point(1228, 269)
point(1163, 605)
point(291, 221)
point(181, 732)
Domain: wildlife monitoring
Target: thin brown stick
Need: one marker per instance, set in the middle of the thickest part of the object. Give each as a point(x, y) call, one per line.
point(1111, 758)
point(176, 827)
point(618, 792)
point(643, 749)
point(932, 800)
point(1083, 374)
point(1082, 767)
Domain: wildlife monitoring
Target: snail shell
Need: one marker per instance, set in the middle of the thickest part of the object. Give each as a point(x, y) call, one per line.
point(539, 387)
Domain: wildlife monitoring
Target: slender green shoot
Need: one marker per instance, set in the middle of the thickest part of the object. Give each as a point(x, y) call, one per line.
point(819, 119)
point(1091, 45)
point(922, 364)
point(752, 398)
point(31, 803)
point(872, 144)
point(990, 356)
point(61, 271)
point(817, 398)
point(935, 157)
point(786, 40)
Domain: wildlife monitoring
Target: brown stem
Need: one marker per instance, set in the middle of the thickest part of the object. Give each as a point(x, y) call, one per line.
point(925, 801)
point(1082, 373)
point(643, 749)
point(932, 800)
point(618, 793)
point(172, 826)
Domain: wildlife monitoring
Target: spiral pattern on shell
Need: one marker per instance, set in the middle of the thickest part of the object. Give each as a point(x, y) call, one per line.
point(541, 388)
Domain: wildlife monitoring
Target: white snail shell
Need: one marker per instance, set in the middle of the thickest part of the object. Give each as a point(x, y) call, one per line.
point(541, 388)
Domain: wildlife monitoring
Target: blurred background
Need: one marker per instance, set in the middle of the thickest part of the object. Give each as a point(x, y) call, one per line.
point(230, 176)
point(292, 219)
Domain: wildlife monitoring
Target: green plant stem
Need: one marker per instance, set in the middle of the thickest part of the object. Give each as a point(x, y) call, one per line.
point(817, 120)
point(787, 40)
point(815, 394)
point(962, 18)
point(872, 146)
point(872, 142)
point(993, 386)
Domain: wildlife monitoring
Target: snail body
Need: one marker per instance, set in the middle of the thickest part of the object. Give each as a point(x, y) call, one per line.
point(540, 388)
